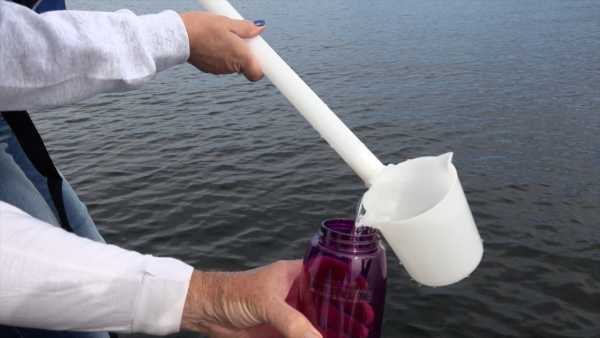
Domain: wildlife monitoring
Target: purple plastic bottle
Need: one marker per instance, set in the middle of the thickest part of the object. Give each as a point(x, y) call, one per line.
point(342, 291)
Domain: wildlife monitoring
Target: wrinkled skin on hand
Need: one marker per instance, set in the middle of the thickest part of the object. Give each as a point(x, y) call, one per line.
point(249, 304)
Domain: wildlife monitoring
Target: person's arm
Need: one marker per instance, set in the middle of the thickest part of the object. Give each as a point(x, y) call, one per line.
point(60, 57)
point(52, 279)
point(63, 56)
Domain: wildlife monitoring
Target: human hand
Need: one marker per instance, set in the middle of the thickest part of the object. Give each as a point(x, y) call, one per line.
point(217, 45)
point(249, 304)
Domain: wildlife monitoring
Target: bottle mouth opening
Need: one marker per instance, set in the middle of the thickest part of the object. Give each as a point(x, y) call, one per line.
point(340, 232)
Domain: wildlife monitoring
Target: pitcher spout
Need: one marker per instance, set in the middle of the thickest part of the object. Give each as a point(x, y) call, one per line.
point(446, 160)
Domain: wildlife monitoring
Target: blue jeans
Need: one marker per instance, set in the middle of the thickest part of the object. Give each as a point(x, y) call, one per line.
point(22, 186)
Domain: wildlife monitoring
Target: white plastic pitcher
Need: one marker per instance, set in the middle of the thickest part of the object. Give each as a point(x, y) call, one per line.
point(420, 208)
point(429, 224)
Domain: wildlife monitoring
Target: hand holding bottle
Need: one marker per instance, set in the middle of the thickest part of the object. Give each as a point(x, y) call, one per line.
point(342, 289)
point(249, 304)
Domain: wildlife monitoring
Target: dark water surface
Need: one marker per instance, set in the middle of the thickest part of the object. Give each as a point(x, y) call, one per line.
point(225, 174)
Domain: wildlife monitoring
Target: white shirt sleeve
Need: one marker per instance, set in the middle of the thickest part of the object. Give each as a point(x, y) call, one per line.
point(49, 278)
point(61, 57)
point(52, 279)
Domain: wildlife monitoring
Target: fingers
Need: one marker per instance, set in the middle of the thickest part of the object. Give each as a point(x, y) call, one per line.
point(243, 62)
point(294, 268)
point(333, 334)
point(261, 331)
point(291, 323)
point(250, 66)
point(351, 318)
point(245, 29)
point(338, 321)
point(360, 311)
point(217, 44)
point(294, 293)
point(328, 281)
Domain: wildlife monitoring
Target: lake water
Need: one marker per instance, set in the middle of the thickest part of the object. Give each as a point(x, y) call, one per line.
point(225, 174)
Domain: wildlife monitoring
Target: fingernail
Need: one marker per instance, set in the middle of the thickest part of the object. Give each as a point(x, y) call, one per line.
point(259, 23)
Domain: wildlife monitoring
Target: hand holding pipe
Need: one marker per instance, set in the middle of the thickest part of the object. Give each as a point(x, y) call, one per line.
point(307, 102)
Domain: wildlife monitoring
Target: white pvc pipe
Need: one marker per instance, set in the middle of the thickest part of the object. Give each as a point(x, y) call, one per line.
point(314, 110)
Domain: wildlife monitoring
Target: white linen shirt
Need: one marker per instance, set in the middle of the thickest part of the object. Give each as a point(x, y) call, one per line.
point(49, 278)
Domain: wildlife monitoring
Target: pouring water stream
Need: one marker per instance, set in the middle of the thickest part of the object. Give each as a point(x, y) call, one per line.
point(418, 205)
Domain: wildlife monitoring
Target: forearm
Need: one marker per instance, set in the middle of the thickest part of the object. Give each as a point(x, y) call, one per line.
point(52, 279)
point(63, 56)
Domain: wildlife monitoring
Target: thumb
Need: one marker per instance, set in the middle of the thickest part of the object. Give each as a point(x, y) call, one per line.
point(245, 29)
point(290, 322)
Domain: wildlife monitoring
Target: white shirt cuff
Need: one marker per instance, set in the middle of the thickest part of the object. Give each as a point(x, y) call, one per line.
point(159, 306)
point(167, 38)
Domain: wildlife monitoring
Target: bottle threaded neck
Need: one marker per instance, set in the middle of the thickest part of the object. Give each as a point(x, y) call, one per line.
point(339, 234)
